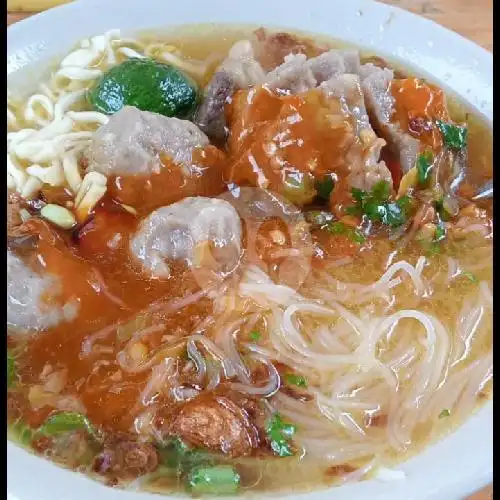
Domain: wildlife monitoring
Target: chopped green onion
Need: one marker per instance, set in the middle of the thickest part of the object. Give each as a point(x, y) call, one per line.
point(375, 205)
point(439, 206)
point(195, 458)
point(444, 413)
point(324, 187)
point(380, 191)
point(454, 136)
point(433, 247)
point(280, 434)
point(172, 454)
point(443, 208)
point(404, 202)
point(11, 369)
point(352, 233)
point(66, 422)
point(424, 166)
point(470, 276)
point(358, 194)
point(439, 236)
point(160, 473)
point(297, 380)
point(217, 480)
point(177, 455)
point(299, 188)
point(23, 433)
point(255, 335)
point(440, 232)
point(395, 212)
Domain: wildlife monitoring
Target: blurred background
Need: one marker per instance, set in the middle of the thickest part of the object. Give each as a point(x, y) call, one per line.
point(472, 19)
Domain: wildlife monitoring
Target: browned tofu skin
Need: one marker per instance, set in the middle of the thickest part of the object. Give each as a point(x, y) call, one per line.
point(214, 422)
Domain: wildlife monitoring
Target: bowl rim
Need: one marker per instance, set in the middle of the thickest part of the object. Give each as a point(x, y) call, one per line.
point(457, 64)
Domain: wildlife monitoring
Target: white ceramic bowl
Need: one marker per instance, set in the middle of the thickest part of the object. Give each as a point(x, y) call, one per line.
point(459, 464)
